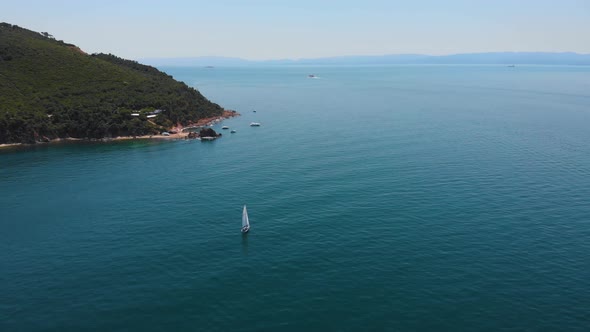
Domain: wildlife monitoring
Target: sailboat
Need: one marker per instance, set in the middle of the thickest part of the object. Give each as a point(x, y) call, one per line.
point(245, 221)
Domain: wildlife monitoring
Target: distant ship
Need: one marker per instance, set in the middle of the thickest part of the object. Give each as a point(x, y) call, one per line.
point(511, 66)
point(311, 76)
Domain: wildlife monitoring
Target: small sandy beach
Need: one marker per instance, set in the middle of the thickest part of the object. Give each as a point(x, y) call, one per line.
point(180, 133)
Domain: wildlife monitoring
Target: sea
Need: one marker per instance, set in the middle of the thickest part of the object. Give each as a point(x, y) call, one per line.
point(381, 198)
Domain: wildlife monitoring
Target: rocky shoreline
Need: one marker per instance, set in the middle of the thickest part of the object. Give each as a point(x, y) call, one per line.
point(176, 132)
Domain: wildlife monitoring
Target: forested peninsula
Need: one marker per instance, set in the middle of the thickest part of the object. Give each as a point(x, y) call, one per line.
point(50, 89)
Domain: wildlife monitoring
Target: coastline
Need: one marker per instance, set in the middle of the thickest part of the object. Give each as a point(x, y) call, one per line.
point(181, 132)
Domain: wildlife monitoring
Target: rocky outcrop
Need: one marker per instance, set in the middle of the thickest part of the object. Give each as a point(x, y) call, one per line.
point(205, 133)
point(208, 132)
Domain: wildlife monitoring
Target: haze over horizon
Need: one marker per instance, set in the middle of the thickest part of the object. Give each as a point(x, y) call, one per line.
point(264, 29)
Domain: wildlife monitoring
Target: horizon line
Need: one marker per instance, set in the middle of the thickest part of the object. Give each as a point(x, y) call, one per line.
point(359, 55)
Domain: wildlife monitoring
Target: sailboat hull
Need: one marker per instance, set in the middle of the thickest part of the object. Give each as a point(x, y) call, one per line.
point(245, 221)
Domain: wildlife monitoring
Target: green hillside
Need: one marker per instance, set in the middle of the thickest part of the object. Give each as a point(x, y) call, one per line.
point(51, 89)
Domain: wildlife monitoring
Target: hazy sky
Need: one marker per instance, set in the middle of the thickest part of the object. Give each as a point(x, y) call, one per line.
point(266, 29)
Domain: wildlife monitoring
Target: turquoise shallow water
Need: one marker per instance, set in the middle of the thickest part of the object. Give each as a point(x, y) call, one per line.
point(381, 198)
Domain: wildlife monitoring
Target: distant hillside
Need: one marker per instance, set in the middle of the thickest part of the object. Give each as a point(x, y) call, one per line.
point(496, 58)
point(51, 89)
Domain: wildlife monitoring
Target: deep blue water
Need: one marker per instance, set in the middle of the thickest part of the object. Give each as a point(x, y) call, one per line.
point(400, 198)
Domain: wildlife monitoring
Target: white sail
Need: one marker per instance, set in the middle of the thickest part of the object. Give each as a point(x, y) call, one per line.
point(245, 221)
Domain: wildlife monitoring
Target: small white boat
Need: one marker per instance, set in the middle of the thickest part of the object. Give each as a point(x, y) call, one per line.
point(233, 131)
point(255, 124)
point(208, 138)
point(245, 221)
point(225, 127)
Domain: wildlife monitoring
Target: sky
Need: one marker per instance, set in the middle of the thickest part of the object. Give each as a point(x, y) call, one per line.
point(266, 29)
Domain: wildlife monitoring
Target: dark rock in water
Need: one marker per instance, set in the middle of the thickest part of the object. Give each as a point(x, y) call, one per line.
point(205, 133)
point(208, 132)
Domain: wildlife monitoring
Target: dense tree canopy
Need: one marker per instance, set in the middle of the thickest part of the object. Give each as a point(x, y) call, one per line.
point(51, 89)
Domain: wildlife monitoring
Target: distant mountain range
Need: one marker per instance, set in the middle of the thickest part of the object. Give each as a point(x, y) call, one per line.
point(494, 58)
